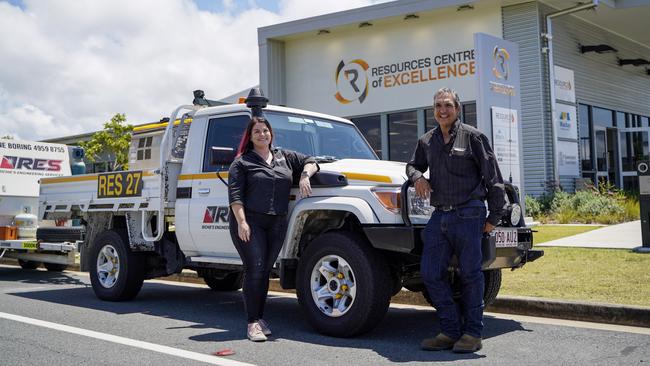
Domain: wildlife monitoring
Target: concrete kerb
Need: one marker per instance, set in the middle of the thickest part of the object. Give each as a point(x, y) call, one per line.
point(637, 316)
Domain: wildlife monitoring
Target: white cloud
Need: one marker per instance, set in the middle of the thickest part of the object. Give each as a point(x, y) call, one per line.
point(67, 66)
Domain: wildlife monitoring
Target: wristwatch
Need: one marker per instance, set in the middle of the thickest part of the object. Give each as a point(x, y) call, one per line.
point(304, 174)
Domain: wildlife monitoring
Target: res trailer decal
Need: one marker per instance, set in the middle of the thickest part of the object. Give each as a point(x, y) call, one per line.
point(24, 163)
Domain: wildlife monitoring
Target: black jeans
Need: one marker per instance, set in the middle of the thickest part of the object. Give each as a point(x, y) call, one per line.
point(259, 255)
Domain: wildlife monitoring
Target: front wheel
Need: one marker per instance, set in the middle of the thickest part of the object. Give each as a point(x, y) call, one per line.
point(343, 285)
point(116, 273)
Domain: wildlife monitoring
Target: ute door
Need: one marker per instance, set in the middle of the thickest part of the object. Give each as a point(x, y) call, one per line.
point(209, 203)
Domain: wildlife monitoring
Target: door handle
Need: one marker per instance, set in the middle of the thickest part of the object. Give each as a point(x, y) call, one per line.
point(204, 190)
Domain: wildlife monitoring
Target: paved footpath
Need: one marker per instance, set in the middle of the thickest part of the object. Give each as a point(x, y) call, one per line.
point(622, 236)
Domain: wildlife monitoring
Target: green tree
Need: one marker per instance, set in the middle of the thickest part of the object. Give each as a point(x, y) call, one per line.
point(113, 141)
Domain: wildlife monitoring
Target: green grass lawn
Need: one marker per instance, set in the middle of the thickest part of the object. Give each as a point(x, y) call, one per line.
point(616, 276)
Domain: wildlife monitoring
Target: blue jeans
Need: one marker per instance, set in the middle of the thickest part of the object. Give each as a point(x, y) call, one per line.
point(455, 232)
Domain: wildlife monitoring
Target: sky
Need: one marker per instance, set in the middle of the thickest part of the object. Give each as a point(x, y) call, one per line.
point(68, 66)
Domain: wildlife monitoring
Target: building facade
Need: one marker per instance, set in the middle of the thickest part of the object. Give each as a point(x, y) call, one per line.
point(380, 65)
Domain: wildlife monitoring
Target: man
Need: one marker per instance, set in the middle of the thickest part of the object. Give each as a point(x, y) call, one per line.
point(463, 173)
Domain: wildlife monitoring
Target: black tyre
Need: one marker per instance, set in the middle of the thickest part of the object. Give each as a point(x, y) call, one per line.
point(59, 234)
point(55, 267)
point(492, 280)
point(116, 273)
point(28, 264)
point(343, 285)
point(492, 285)
point(230, 282)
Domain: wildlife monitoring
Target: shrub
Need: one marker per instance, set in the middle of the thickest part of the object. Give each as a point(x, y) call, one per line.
point(533, 207)
point(604, 205)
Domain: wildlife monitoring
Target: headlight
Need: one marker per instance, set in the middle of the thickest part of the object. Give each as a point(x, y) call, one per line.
point(515, 214)
point(419, 209)
point(389, 197)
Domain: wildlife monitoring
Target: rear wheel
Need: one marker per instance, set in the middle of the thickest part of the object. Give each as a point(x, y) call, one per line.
point(230, 282)
point(117, 273)
point(343, 285)
point(492, 280)
point(28, 264)
point(55, 267)
point(492, 285)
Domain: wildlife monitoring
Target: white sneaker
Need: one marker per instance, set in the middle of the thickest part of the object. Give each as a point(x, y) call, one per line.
point(255, 332)
point(265, 327)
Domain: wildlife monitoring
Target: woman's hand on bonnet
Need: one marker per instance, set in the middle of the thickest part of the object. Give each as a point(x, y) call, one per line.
point(305, 186)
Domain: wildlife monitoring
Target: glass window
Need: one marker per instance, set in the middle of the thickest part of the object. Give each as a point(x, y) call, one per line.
point(621, 120)
point(585, 138)
point(603, 117)
point(144, 148)
point(601, 148)
point(631, 184)
point(370, 127)
point(102, 166)
point(430, 120)
point(223, 132)
point(634, 149)
point(644, 122)
point(402, 135)
point(637, 121)
point(589, 177)
point(469, 113)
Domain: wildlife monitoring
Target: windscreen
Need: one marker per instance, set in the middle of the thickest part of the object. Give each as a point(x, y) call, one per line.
point(318, 137)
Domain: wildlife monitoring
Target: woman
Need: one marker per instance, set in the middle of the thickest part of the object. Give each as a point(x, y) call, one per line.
point(259, 182)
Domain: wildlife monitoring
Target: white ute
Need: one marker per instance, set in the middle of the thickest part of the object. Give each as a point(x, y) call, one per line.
point(349, 247)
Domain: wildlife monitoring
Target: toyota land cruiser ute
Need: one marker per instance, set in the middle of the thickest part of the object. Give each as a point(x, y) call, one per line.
point(349, 247)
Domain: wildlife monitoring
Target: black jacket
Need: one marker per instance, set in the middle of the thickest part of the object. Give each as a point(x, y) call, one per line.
point(265, 188)
point(463, 169)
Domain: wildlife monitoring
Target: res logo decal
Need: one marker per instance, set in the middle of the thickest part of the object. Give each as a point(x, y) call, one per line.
point(215, 214)
point(351, 81)
point(22, 163)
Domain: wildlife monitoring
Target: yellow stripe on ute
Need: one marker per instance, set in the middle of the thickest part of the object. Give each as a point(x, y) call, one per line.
point(370, 177)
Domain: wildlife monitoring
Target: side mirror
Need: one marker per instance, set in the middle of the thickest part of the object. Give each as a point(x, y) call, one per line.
point(221, 155)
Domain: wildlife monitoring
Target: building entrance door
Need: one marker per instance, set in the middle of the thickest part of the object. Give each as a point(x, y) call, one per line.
point(606, 149)
point(632, 149)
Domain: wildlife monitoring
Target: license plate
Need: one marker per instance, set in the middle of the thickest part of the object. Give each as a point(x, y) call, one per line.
point(32, 245)
point(505, 238)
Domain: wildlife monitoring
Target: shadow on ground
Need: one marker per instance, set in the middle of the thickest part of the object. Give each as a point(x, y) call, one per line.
point(396, 338)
